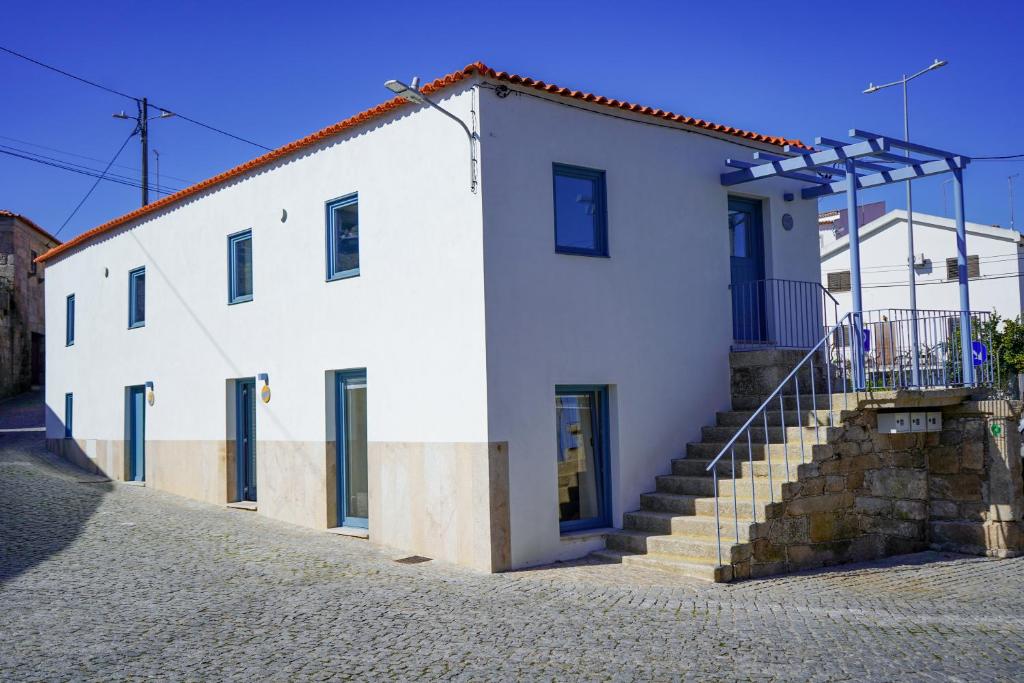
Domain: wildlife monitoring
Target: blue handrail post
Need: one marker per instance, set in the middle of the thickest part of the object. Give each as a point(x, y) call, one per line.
point(858, 304)
point(961, 268)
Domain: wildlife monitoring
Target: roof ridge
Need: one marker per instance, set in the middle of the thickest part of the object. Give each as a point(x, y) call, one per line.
point(478, 68)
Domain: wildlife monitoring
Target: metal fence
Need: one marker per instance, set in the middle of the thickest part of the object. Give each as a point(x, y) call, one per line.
point(786, 314)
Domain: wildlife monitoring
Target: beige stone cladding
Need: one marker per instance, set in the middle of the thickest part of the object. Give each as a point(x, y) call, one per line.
point(447, 501)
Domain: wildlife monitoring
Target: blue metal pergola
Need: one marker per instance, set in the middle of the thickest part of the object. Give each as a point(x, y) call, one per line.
point(868, 160)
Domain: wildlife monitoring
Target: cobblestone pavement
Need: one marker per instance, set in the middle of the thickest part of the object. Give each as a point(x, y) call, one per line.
point(111, 582)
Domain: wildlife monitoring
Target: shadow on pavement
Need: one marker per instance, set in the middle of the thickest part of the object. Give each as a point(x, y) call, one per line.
point(45, 502)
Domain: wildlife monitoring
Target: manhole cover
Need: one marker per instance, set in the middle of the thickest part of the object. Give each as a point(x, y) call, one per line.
point(412, 559)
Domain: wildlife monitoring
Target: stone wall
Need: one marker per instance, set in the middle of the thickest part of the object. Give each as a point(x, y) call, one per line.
point(866, 495)
point(21, 300)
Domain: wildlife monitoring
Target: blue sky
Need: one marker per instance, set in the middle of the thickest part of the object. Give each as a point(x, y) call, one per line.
point(273, 72)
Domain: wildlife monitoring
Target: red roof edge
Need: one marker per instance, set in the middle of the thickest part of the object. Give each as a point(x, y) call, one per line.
point(478, 68)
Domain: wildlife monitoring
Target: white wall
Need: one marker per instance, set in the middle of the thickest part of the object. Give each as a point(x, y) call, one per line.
point(413, 317)
point(883, 262)
point(653, 321)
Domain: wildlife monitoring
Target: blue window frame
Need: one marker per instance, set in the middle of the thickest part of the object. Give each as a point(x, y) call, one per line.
point(351, 448)
point(69, 413)
point(584, 469)
point(240, 267)
point(581, 211)
point(343, 237)
point(137, 298)
point(69, 321)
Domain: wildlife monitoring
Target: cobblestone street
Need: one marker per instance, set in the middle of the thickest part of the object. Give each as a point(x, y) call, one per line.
point(110, 582)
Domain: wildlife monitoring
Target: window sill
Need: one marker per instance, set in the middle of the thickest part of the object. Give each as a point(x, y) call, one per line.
point(582, 252)
point(244, 300)
point(136, 326)
point(354, 532)
point(344, 275)
point(586, 534)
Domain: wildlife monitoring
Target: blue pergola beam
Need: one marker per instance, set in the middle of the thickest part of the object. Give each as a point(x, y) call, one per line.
point(901, 144)
point(805, 162)
point(739, 163)
point(867, 165)
point(887, 177)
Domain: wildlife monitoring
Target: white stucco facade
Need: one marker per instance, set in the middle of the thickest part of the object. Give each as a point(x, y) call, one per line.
point(462, 314)
point(883, 248)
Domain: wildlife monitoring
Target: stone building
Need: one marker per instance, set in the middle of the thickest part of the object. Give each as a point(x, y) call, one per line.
point(22, 323)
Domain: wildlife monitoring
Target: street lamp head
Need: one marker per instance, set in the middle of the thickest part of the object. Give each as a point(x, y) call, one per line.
point(871, 88)
point(938, 64)
point(166, 114)
point(409, 93)
point(120, 115)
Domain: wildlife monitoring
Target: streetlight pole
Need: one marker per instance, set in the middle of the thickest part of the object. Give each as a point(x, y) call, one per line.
point(912, 277)
point(142, 128)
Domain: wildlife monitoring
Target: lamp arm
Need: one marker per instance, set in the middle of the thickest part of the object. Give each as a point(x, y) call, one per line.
point(469, 134)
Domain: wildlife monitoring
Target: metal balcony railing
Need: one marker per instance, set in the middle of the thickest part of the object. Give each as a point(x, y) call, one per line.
point(782, 314)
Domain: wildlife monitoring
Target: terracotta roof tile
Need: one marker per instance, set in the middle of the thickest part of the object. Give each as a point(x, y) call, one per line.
point(477, 68)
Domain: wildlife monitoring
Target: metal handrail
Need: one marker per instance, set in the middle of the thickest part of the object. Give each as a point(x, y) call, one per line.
point(779, 313)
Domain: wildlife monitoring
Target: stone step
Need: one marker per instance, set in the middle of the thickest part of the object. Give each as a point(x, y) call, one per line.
point(774, 435)
point(682, 566)
point(759, 451)
point(806, 417)
point(758, 487)
point(698, 467)
point(685, 525)
point(819, 402)
point(695, 547)
point(683, 504)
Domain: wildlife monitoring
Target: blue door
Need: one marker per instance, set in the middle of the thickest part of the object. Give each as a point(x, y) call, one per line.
point(245, 437)
point(746, 263)
point(136, 429)
point(350, 448)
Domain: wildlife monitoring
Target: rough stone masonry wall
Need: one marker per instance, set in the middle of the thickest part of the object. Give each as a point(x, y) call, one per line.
point(867, 495)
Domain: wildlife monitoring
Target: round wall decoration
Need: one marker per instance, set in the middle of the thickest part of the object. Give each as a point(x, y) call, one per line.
point(150, 397)
point(787, 221)
point(265, 393)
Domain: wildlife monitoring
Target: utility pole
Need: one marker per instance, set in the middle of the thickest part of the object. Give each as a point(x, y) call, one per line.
point(1009, 181)
point(142, 128)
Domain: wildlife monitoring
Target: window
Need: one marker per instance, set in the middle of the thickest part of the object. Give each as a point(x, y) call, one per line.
point(839, 281)
point(69, 404)
point(137, 298)
point(343, 237)
point(32, 262)
point(581, 214)
point(240, 267)
point(69, 321)
point(973, 268)
point(584, 482)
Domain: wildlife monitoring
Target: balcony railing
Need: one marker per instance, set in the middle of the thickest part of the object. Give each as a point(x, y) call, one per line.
point(782, 314)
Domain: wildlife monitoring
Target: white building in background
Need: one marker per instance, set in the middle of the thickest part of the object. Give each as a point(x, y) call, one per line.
point(342, 334)
point(995, 265)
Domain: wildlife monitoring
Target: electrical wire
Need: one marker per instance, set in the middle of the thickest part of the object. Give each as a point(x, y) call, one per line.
point(110, 176)
point(98, 179)
point(130, 97)
point(79, 156)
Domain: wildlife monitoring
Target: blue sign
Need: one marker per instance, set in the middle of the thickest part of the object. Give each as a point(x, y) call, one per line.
point(979, 351)
point(867, 339)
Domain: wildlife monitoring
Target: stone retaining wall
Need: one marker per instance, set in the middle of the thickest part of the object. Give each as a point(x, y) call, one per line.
point(867, 495)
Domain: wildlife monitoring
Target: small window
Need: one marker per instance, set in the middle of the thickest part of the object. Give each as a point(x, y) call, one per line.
point(137, 298)
point(581, 214)
point(69, 405)
point(69, 321)
point(240, 267)
point(32, 262)
point(584, 483)
point(343, 237)
point(973, 268)
point(839, 281)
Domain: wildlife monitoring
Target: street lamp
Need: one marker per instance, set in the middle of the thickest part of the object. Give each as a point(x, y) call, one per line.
point(412, 93)
point(912, 279)
point(142, 127)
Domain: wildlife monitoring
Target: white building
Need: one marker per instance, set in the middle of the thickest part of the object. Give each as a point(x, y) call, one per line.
point(431, 336)
point(995, 265)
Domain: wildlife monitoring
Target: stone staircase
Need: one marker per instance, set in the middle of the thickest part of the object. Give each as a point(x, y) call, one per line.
point(674, 529)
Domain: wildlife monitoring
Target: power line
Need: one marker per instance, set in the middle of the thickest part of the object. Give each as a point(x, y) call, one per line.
point(79, 156)
point(36, 156)
point(999, 158)
point(90, 173)
point(98, 179)
point(130, 97)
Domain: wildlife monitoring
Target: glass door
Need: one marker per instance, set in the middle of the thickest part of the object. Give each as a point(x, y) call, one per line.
point(353, 489)
point(584, 482)
point(136, 433)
